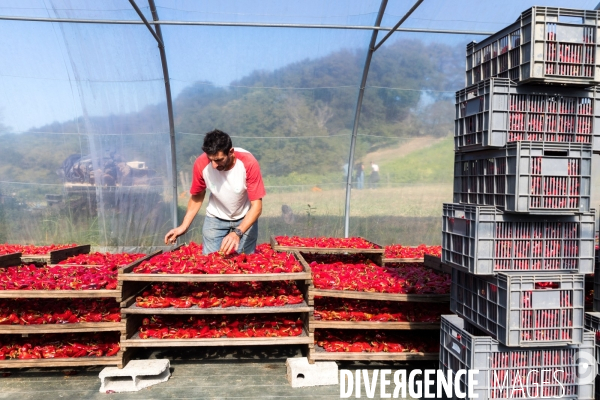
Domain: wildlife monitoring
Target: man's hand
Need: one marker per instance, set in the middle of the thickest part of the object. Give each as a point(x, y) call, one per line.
point(230, 243)
point(171, 237)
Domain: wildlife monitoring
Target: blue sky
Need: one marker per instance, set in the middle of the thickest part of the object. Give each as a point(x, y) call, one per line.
point(55, 72)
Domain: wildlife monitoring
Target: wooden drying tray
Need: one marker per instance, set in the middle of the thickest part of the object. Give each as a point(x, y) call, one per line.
point(56, 256)
point(135, 341)
point(351, 294)
point(119, 360)
point(435, 263)
point(318, 353)
point(120, 293)
point(126, 274)
point(134, 263)
point(64, 328)
point(291, 308)
point(321, 250)
point(325, 324)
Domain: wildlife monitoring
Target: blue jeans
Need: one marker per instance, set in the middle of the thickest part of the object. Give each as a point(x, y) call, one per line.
point(214, 231)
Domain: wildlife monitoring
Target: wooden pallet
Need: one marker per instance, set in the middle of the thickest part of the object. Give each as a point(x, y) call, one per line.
point(126, 274)
point(119, 360)
point(350, 294)
point(318, 354)
point(56, 256)
point(435, 263)
point(321, 250)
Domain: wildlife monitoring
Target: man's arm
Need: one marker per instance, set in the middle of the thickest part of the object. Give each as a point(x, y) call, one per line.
point(232, 241)
point(193, 207)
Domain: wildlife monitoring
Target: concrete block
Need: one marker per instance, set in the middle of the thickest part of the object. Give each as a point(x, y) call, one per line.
point(302, 374)
point(137, 375)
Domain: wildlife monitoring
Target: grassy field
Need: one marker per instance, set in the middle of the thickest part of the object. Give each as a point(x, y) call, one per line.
point(402, 201)
point(408, 214)
point(406, 208)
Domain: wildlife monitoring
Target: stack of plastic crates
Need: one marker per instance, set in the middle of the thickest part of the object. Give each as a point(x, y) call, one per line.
point(520, 232)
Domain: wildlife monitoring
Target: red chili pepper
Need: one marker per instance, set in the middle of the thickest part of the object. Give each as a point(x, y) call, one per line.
point(31, 249)
point(399, 251)
point(190, 260)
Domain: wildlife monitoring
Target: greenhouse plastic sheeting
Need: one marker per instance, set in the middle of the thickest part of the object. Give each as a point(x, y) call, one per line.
point(86, 147)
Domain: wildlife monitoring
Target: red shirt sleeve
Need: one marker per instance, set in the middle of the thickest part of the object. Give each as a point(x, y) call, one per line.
point(254, 182)
point(198, 183)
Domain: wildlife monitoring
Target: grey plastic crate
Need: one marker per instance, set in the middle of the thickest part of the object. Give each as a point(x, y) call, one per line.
point(592, 323)
point(526, 177)
point(496, 111)
point(522, 310)
point(484, 240)
point(501, 368)
point(545, 45)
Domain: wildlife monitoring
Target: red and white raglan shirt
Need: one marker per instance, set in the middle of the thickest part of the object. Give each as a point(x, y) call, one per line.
point(230, 191)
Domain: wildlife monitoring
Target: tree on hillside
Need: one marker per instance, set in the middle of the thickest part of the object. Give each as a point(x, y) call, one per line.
point(296, 118)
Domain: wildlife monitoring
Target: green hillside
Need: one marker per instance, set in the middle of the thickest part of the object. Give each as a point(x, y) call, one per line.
point(430, 165)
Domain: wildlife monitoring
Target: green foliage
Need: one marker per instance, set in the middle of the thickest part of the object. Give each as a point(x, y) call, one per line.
point(431, 164)
point(294, 133)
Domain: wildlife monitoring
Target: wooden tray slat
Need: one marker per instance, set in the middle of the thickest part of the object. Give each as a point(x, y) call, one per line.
point(435, 263)
point(57, 256)
point(65, 362)
point(402, 260)
point(215, 277)
point(8, 260)
point(347, 294)
point(135, 341)
point(64, 328)
point(372, 325)
point(128, 268)
point(58, 294)
point(319, 354)
point(294, 308)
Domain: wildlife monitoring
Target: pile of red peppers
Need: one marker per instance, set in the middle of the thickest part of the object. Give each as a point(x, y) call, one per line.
point(58, 311)
point(119, 259)
point(220, 326)
point(409, 278)
point(326, 242)
point(30, 277)
point(335, 309)
point(220, 294)
point(399, 251)
point(190, 260)
point(71, 345)
point(375, 341)
point(30, 249)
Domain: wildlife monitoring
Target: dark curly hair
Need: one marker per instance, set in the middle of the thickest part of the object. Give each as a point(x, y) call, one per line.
point(216, 141)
